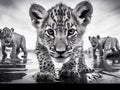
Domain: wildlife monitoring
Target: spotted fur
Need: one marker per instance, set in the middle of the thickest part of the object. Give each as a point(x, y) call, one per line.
point(59, 37)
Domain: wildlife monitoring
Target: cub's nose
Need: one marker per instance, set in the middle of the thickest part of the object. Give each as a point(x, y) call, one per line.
point(60, 47)
point(63, 50)
point(6, 41)
point(60, 50)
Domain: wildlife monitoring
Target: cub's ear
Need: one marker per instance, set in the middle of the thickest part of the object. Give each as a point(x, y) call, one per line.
point(89, 37)
point(108, 36)
point(12, 29)
point(0, 31)
point(37, 14)
point(98, 36)
point(83, 11)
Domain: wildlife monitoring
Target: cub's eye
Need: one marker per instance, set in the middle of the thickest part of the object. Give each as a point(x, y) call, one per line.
point(71, 32)
point(50, 32)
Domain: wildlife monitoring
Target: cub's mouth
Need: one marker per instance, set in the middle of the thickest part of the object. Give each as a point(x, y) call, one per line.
point(60, 58)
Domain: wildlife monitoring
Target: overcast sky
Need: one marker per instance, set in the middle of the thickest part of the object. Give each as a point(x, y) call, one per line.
point(105, 20)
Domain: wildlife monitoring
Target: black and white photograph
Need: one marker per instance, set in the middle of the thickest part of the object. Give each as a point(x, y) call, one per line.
point(60, 41)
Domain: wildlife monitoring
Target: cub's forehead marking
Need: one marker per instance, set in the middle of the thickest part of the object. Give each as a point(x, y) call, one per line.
point(60, 15)
point(7, 32)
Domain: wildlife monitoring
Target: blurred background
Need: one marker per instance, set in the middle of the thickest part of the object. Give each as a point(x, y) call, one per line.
point(105, 18)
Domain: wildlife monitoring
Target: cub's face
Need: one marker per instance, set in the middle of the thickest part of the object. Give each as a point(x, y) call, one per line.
point(61, 28)
point(94, 41)
point(6, 36)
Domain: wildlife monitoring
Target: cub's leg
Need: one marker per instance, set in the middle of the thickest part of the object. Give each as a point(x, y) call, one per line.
point(23, 47)
point(4, 54)
point(74, 70)
point(47, 68)
point(82, 67)
point(18, 60)
point(87, 74)
point(13, 54)
point(118, 48)
point(17, 52)
point(94, 59)
point(68, 72)
point(103, 64)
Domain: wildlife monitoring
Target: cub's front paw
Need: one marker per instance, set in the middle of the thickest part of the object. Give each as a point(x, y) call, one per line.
point(45, 77)
point(69, 76)
point(93, 76)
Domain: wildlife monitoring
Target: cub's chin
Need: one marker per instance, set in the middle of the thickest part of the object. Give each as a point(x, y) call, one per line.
point(60, 59)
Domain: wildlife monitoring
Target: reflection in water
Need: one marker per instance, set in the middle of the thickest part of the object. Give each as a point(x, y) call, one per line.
point(9, 76)
point(32, 67)
point(20, 73)
point(12, 70)
point(9, 72)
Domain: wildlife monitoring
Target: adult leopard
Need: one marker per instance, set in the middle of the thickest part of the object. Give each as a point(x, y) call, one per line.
point(59, 38)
